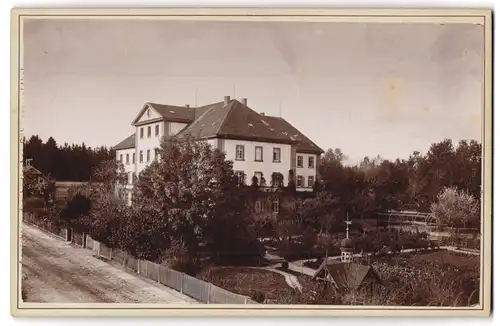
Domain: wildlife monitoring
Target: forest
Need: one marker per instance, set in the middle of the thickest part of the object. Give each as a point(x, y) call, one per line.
point(64, 162)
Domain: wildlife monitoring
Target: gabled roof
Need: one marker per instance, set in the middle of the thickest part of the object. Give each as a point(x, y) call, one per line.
point(128, 142)
point(173, 112)
point(32, 170)
point(347, 275)
point(232, 121)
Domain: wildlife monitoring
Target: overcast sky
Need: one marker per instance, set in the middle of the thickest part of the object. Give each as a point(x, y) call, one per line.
point(368, 89)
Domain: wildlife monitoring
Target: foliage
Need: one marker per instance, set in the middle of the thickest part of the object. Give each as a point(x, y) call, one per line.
point(456, 208)
point(65, 162)
point(95, 207)
point(31, 186)
point(376, 185)
point(191, 197)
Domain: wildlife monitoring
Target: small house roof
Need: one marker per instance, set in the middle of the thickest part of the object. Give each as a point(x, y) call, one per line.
point(347, 275)
point(33, 171)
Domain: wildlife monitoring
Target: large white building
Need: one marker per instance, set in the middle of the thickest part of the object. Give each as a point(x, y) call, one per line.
point(258, 145)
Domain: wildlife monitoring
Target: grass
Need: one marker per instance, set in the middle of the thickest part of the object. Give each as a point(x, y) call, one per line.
point(248, 281)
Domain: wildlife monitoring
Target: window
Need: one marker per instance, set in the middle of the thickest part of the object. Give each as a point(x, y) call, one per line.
point(240, 152)
point(259, 176)
point(149, 131)
point(148, 155)
point(141, 157)
point(157, 130)
point(258, 154)
point(300, 181)
point(134, 178)
point(241, 177)
point(258, 206)
point(300, 161)
point(156, 153)
point(142, 133)
point(311, 162)
point(127, 159)
point(276, 205)
point(276, 179)
point(276, 155)
point(133, 158)
point(121, 158)
point(310, 181)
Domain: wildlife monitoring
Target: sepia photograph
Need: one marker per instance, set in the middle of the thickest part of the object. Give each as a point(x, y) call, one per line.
point(265, 161)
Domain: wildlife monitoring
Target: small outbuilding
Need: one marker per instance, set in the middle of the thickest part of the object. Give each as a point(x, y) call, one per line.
point(347, 275)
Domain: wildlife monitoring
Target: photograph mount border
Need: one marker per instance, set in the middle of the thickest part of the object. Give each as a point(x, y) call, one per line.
point(252, 14)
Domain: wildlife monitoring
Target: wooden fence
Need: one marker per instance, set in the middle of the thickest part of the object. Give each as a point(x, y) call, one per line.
point(197, 289)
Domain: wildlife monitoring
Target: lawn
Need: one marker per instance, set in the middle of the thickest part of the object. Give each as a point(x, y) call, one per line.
point(247, 281)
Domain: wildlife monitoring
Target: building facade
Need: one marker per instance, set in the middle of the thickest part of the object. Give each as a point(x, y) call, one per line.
point(258, 145)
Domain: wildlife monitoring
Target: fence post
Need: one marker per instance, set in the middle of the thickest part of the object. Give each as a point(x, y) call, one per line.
point(138, 266)
point(158, 271)
point(182, 282)
point(209, 292)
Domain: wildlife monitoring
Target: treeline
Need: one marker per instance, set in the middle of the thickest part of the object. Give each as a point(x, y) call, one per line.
point(376, 185)
point(65, 162)
point(190, 205)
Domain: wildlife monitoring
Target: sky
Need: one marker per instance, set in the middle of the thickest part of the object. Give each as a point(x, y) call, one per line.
point(367, 88)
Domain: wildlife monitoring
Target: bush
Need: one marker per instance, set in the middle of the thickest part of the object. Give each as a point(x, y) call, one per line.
point(258, 296)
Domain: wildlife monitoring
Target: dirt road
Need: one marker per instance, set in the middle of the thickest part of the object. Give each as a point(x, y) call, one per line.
point(58, 272)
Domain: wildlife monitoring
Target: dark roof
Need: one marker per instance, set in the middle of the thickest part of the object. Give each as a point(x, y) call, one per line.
point(233, 121)
point(32, 170)
point(236, 120)
point(304, 144)
point(128, 142)
point(347, 243)
point(173, 112)
point(347, 275)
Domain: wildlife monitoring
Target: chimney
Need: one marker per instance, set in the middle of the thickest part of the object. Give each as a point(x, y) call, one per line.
point(226, 100)
point(187, 105)
point(244, 101)
point(262, 113)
